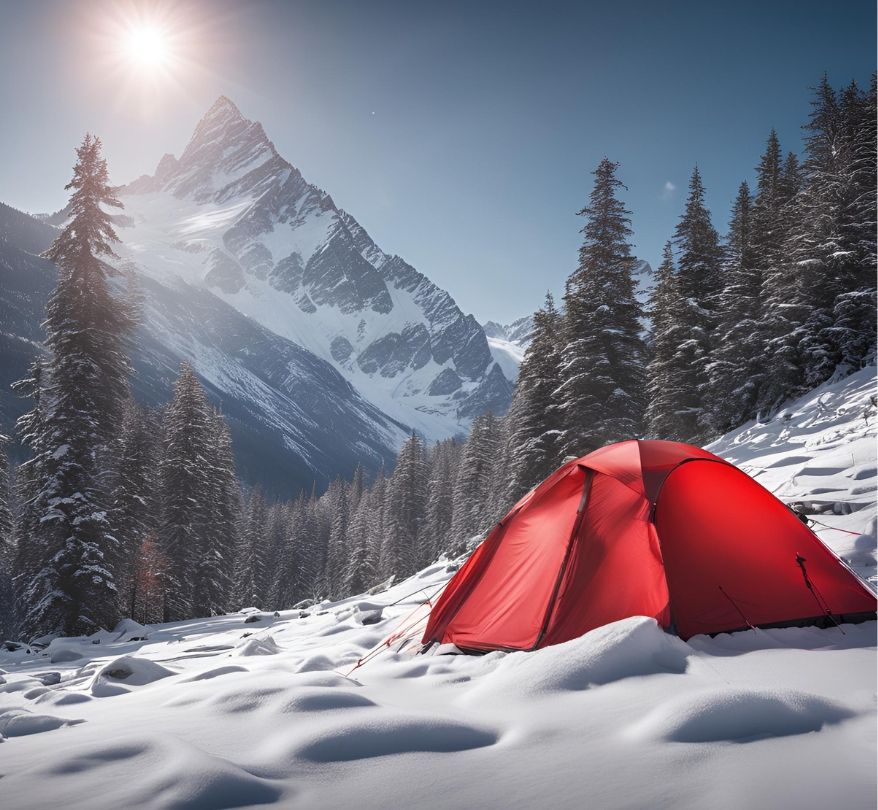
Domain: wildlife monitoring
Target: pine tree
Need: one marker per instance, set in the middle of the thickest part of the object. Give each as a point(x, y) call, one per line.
point(7, 546)
point(471, 487)
point(601, 395)
point(338, 499)
point(826, 247)
point(535, 421)
point(440, 497)
point(135, 503)
point(250, 559)
point(185, 489)
point(852, 335)
point(735, 372)
point(217, 540)
point(698, 284)
point(359, 571)
point(377, 526)
point(666, 377)
point(28, 551)
point(73, 591)
point(292, 586)
point(405, 507)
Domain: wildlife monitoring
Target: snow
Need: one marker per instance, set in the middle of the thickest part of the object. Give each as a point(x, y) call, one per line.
point(507, 355)
point(216, 712)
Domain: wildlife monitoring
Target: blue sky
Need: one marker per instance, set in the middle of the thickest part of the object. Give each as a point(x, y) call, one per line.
point(461, 135)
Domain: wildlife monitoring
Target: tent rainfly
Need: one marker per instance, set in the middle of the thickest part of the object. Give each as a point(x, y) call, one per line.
point(651, 528)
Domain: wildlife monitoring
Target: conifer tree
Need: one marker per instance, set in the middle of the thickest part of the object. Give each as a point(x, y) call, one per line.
point(440, 498)
point(7, 545)
point(359, 571)
point(535, 421)
point(735, 372)
point(601, 395)
point(338, 499)
point(135, 501)
point(292, 584)
point(471, 487)
point(405, 508)
point(250, 559)
point(74, 591)
point(666, 378)
point(217, 541)
point(698, 283)
point(185, 489)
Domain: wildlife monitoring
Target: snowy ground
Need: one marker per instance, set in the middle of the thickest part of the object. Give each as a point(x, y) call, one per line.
point(252, 709)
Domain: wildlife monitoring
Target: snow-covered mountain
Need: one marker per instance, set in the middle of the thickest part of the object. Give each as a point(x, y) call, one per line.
point(256, 708)
point(508, 343)
point(234, 218)
point(322, 350)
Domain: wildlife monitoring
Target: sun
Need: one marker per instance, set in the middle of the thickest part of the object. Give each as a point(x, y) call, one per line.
point(146, 46)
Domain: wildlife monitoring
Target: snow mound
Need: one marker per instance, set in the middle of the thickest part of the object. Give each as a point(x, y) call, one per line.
point(63, 650)
point(170, 773)
point(318, 699)
point(128, 670)
point(62, 698)
point(316, 663)
point(130, 626)
point(393, 735)
point(631, 647)
point(739, 715)
point(20, 722)
point(216, 672)
point(256, 646)
point(245, 699)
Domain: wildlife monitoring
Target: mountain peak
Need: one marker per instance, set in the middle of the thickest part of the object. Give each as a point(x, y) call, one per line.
point(223, 107)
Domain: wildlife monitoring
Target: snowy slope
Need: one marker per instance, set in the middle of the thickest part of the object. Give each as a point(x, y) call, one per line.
point(232, 217)
point(227, 712)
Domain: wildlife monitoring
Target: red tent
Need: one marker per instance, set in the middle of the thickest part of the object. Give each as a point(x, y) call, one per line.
point(644, 528)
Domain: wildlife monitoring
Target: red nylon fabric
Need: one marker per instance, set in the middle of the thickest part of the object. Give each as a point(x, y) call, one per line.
point(735, 535)
point(664, 527)
point(507, 606)
point(615, 570)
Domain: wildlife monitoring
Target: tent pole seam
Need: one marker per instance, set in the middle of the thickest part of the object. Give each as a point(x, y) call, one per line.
point(577, 526)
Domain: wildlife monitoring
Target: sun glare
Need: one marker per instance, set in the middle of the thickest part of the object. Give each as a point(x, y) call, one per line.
point(147, 46)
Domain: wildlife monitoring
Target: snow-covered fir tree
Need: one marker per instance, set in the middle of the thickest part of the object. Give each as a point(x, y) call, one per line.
point(7, 545)
point(534, 417)
point(444, 462)
point(82, 391)
point(473, 481)
point(735, 370)
point(665, 377)
point(359, 569)
point(338, 499)
point(135, 496)
point(217, 540)
point(404, 512)
point(250, 557)
point(601, 396)
point(698, 283)
point(185, 490)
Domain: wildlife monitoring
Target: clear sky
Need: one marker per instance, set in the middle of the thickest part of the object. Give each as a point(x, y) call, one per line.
point(461, 135)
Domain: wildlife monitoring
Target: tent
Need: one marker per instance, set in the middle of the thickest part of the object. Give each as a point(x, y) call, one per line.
point(644, 528)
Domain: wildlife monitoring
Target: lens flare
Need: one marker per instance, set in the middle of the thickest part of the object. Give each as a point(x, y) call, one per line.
point(146, 46)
